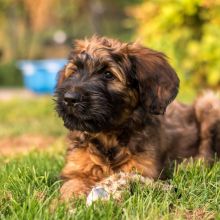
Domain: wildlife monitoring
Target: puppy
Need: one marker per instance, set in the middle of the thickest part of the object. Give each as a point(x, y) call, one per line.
point(115, 99)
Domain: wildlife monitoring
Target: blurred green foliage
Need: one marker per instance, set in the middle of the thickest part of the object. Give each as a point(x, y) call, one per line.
point(29, 28)
point(10, 75)
point(188, 32)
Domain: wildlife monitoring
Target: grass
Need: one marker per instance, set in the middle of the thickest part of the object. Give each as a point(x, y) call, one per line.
point(29, 184)
point(35, 116)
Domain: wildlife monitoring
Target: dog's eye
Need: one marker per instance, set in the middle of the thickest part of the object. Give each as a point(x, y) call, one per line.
point(108, 75)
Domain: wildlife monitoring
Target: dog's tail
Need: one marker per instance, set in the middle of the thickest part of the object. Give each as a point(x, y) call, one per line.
point(207, 106)
point(207, 110)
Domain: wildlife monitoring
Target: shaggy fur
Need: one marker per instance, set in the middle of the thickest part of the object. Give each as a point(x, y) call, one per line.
point(114, 98)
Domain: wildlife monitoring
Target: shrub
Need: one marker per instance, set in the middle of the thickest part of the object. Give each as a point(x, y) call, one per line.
point(188, 31)
point(10, 75)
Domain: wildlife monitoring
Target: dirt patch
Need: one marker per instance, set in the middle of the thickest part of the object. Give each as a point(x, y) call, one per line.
point(24, 144)
point(11, 93)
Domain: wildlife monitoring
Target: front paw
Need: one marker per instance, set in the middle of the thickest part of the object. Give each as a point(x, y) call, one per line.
point(207, 159)
point(74, 188)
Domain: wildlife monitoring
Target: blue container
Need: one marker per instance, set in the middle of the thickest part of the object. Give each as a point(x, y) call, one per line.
point(40, 76)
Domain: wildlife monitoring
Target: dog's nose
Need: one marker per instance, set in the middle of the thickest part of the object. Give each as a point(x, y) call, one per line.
point(72, 98)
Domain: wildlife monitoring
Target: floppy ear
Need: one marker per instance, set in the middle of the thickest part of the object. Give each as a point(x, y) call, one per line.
point(158, 82)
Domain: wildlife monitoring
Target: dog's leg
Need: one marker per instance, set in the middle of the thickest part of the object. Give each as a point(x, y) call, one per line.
point(205, 148)
point(210, 142)
point(80, 174)
point(216, 138)
point(75, 187)
point(207, 109)
point(147, 166)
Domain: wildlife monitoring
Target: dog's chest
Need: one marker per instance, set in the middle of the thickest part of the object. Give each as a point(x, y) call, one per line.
point(107, 150)
point(104, 150)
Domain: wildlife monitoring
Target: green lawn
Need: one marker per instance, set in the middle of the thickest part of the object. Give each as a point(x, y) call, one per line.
point(35, 116)
point(29, 184)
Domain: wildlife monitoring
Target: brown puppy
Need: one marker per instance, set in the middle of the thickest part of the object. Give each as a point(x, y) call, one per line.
point(112, 96)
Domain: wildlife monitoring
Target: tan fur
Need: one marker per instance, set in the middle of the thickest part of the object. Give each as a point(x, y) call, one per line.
point(87, 166)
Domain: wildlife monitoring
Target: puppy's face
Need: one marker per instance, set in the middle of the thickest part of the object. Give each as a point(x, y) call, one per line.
point(106, 80)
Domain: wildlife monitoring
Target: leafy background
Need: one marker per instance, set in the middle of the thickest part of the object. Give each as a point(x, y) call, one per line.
point(187, 31)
